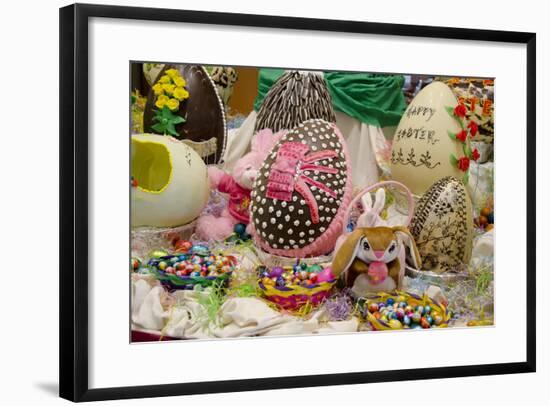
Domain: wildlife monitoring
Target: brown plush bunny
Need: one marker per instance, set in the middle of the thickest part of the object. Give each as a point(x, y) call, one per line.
point(373, 258)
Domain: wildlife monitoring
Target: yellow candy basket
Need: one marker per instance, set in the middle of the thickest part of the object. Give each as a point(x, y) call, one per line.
point(413, 300)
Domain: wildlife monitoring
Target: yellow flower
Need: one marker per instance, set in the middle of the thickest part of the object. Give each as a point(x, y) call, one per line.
point(162, 100)
point(173, 73)
point(180, 93)
point(157, 88)
point(165, 79)
point(173, 104)
point(179, 81)
point(168, 88)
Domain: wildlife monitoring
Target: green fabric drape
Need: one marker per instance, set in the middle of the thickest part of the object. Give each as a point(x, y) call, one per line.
point(375, 99)
point(266, 78)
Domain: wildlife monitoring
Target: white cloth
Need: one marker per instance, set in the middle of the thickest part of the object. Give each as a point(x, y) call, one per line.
point(237, 317)
point(147, 310)
point(362, 140)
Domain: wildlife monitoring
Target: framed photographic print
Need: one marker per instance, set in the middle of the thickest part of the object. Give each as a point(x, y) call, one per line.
point(255, 202)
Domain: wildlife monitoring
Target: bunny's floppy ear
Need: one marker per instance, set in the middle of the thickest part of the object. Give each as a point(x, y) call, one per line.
point(346, 253)
point(404, 235)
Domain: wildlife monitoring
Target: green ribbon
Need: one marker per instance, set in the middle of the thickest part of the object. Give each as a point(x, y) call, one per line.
point(375, 99)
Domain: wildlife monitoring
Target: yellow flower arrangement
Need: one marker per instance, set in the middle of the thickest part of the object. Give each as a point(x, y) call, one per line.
point(180, 93)
point(157, 88)
point(172, 73)
point(161, 101)
point(179, 81)
point(170, 91)
point(168, 88)
point(173, 104)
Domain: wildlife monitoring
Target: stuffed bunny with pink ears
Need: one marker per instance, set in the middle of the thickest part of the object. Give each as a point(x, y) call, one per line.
point(371, 219)
point(238, 186)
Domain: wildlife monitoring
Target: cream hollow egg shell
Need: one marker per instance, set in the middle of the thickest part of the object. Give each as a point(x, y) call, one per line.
point(422, 147)
point(442, 226)
point(302, 191)
point(171, 182)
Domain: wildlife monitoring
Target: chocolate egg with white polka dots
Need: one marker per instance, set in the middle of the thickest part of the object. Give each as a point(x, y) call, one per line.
point(302, 191)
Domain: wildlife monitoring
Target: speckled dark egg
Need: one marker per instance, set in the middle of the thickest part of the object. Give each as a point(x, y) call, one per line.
point(302, 191)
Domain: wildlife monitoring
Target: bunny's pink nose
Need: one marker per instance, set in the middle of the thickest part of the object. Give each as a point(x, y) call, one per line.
point(379, 254)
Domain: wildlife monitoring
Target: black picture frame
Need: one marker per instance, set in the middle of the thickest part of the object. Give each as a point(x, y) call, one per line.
point(74, 201)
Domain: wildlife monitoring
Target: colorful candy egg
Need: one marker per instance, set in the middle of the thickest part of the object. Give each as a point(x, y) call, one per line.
point(182, 246)
point(302, 191)
point(373, 307)
point(325, 275)
point(276, 271)
point(135, 263)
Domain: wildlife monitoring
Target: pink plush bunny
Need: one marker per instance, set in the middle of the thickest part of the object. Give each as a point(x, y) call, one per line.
point(238, 187)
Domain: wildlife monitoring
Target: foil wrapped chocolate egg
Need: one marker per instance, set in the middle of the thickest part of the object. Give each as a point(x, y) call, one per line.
point(301, 192)
point(203, 124)
point(442, 226)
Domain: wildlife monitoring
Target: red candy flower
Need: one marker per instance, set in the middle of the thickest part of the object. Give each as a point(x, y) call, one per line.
point(460, 111)
point(473, 128)
point(461, 136)
point(475, 154)
point(463, 163)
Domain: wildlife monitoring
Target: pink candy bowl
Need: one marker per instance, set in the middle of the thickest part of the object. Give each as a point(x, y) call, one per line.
point(296, 297)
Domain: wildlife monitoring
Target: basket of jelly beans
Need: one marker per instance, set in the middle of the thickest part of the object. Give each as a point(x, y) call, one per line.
point(198, 267)
point(291, 287)
point(403, 311)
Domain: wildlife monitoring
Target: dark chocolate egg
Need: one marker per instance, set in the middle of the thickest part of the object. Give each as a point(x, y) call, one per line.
point(204, 128)
point(302, 191)
point(297, 96)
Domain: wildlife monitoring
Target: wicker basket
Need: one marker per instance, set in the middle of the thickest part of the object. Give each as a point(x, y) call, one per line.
point(175, 282)
point(295, 297)
point(412, 299)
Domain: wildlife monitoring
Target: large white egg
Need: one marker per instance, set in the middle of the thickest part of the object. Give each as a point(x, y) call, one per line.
point(171, 182)
point(422, 148)
point(442, 226)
